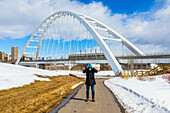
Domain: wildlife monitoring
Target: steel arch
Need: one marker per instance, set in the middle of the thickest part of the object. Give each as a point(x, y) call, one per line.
point(85, 20)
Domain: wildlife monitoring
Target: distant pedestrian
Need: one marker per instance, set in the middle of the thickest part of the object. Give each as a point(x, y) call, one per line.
point(90, 81)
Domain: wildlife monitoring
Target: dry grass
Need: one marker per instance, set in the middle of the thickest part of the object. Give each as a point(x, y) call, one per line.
point(40, 96)
point(146, 78)
point(139, 77)
point(125, 76)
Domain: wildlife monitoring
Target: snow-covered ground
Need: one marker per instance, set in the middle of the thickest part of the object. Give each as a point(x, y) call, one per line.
point(134, 95)
point(76, 85)
point(15, 75)
point(100, 74)
point(141, 96)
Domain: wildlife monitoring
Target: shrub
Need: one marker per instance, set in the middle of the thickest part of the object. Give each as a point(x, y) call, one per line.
point(166, 77)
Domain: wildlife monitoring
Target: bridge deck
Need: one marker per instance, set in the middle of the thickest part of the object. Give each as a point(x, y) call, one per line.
point(95, 60)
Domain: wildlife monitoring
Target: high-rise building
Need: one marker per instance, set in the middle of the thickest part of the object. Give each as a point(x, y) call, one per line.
point(14, 53)
point(2, 55)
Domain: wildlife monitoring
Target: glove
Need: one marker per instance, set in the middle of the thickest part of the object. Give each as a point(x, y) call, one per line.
point(89, 66)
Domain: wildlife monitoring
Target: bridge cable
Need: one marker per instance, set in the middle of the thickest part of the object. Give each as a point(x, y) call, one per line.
point(72, 35)
point(61, 42)
point(32, 49)
point(89, 42)
point(86, 44)
point(74, 43)
point(47, 43)
point(59, 35)
point(78, 37)
point(44, 41)
point(52, 30)
point(53, 38)
point(43, 44)
point(56, 36)
point(66, 36)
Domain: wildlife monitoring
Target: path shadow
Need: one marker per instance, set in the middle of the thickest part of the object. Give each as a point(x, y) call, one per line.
point(78, 99)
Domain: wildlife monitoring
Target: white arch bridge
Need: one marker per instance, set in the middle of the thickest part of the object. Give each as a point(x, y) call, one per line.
point(64, 33)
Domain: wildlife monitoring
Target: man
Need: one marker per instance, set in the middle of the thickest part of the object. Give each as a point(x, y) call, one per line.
point(90, 81)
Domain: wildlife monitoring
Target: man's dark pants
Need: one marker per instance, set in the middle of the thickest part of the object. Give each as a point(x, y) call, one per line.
point(87, 91)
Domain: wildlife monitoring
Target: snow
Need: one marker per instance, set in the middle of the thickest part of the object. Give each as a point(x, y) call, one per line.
point(76, 85)
point(105, 73)
point(134, 95)
point(62, 92)
point(100, 74)
point(141, 96)
point(15, 75)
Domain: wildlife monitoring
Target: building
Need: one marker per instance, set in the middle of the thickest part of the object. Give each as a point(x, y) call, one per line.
point(32, 59)
point(9, 58)
point(88, 56)
point(2, 55)
point(26, 58)
point(59, 66)
point(14, 53)
point(6, 59)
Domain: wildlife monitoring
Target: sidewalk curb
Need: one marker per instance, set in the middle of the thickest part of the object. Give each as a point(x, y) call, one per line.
point(116, 100)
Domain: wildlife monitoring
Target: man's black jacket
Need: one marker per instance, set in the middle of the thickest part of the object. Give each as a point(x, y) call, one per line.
point(90, 76)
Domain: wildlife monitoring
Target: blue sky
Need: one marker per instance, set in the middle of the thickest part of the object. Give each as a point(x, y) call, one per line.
point(6, 44)
point(137, 20)
point(125, 6)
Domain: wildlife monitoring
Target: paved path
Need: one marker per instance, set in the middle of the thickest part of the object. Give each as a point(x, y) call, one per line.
point(104, 101)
